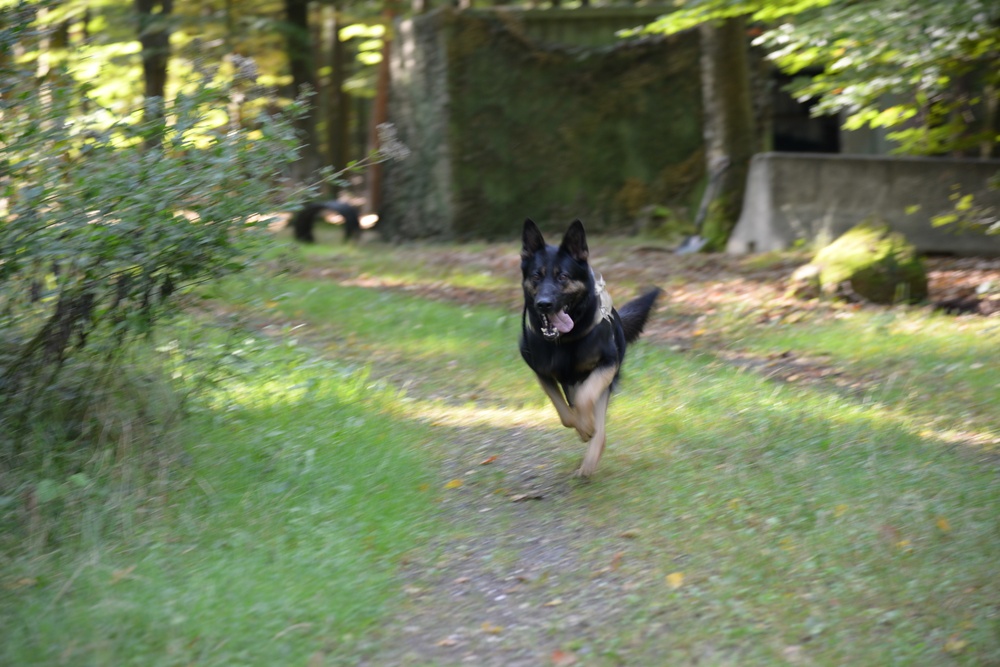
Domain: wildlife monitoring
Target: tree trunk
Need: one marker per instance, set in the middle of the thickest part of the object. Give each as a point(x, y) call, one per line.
point(300, 58)
point(380, 113)
point(729, 122)
point(154, 36)
point(338, 122)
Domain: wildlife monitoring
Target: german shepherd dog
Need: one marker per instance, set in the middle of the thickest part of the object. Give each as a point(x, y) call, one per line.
point(571, 336)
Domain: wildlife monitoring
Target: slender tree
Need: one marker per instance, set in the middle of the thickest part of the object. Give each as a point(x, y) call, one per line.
point(154, 36)
point(338, 122)
point(729, 122)
point(301, 60)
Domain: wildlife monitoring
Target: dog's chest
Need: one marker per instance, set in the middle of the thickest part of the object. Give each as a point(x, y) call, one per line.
point(566, 363)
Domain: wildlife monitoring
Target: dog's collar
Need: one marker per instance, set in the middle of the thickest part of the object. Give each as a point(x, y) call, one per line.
point(604, 305)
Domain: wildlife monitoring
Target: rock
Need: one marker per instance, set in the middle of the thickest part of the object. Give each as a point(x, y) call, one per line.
point(872, 262)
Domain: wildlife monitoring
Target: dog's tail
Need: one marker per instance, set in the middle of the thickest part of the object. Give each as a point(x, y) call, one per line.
point(635, 313)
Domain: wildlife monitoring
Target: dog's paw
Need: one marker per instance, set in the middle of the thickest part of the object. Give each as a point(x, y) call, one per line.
point(585, 427)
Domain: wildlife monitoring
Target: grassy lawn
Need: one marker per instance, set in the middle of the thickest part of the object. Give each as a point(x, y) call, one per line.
point(277, 540)
point(752, 521)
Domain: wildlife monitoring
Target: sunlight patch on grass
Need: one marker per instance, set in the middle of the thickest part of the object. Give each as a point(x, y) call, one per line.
point(475, 281)
point(280, 536)
point(438, 413)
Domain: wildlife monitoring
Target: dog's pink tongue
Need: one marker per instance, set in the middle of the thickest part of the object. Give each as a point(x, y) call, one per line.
point(562, 322)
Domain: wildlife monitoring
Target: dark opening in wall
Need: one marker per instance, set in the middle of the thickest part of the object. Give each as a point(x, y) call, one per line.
point(795, 129)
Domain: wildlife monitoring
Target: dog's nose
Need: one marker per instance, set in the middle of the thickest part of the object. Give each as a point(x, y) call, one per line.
point(544, 305)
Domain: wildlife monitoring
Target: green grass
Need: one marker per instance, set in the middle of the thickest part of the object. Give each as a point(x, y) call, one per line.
point(278, 541)
point(803, 522)
point(928, 366)
point(843, 525)
point(800, 518)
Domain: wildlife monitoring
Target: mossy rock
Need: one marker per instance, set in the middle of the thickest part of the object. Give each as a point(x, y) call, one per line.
point(875, 263)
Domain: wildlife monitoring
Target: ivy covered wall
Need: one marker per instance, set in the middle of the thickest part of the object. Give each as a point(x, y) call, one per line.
point(503, 127)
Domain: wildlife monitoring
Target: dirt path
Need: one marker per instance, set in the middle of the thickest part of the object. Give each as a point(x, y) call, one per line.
point(525, 576)
point(530, 580)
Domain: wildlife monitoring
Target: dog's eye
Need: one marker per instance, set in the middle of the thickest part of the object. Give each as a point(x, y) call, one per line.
point(562, 277)
point(537, 276)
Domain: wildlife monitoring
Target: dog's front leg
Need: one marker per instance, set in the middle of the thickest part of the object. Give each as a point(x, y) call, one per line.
point(566, 414)
point(588, 393)
point(596, 446)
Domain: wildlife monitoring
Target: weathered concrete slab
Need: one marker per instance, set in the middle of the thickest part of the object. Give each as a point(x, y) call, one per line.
point(814, 198)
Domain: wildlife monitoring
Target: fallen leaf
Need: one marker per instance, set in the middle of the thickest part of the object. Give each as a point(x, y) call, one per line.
point(840, 510)
point(616, 560)
point(488, 460)
point(563, 658)
point(955, 644)
point(462, 580)
point(454, 484)
point(118, 575)
point(447, 642)
point(943, 525)
point(533, 495)
point(675, 580)
point(491, 629)
point(630, 534)
point(553, 603)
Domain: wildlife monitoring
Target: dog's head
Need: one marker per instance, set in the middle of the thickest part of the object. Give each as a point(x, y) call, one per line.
point(557, 281)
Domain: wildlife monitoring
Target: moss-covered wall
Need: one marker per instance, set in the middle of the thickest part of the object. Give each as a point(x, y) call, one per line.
point(552, 132)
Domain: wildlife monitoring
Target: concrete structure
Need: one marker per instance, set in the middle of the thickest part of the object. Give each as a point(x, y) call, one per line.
point(814, 198)
point(504, 122)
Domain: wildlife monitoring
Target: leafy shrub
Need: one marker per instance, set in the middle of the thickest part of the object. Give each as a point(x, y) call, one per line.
point(106, 220)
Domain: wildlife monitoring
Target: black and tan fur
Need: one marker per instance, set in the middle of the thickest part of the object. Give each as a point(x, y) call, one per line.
point(577, 368)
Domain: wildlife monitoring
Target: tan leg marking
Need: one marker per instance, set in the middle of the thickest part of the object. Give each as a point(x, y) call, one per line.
point(566, 414)
point(596, 447)
point(586, 397)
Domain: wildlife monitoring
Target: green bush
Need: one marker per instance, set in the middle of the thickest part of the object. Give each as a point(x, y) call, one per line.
point(105, 220)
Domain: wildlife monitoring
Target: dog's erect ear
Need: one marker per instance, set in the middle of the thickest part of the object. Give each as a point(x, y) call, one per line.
point(531, 239)
point(575, 242)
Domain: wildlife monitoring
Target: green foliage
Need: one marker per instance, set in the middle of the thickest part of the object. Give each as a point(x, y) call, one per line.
point(971, 214)
point(103, 223)
point(930, 70)
point(278, 542)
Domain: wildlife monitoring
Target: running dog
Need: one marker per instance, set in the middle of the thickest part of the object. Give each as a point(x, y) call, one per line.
point(571, 336)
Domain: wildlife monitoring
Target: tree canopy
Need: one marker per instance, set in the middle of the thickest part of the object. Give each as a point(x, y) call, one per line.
point(927, 70)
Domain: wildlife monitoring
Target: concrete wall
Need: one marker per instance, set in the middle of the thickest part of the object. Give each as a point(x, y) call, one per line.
point(503, 127)
point(815, 198)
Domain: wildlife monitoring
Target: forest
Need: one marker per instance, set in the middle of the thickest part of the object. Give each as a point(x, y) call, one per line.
point(220, 445)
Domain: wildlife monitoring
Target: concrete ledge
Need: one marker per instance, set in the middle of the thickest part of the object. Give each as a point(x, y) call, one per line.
point(815, 198)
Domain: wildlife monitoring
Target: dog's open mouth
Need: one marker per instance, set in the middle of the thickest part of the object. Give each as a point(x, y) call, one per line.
point(554, 325)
